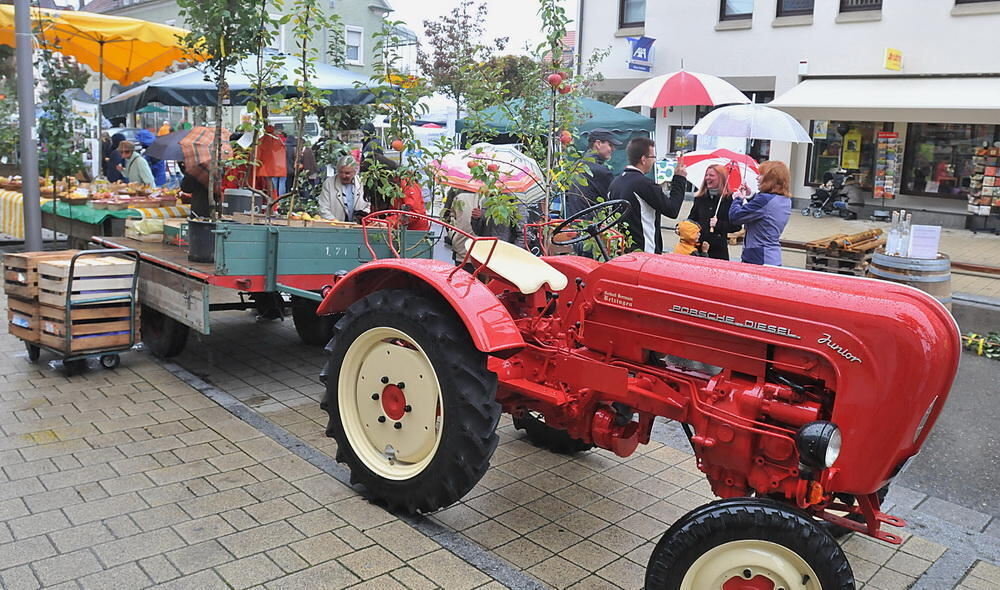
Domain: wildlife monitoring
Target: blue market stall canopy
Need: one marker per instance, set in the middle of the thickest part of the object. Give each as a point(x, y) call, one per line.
point(190, 88)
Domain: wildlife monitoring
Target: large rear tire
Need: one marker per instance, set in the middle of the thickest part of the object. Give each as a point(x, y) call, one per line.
point(542, 435)
point(410, 401)
point(314, 330)
point(162, 335)
point(747, 543)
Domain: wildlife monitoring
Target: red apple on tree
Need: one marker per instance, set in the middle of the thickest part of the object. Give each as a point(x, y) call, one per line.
point(555, 79)
point(472, 164)
point(492, 167)
point(397, 144)
point(565, 137)
point(565, 89)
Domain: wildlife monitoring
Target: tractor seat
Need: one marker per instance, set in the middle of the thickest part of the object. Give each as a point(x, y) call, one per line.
point(517, 266)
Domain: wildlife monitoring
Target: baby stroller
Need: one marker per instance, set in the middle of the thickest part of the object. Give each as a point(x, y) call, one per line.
point(831, 197)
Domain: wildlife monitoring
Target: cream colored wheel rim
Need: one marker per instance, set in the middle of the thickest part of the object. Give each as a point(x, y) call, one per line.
point(403, 444)
point(736, 559)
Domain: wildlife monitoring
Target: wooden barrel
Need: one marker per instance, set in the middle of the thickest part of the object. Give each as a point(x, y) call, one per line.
point(932, 276)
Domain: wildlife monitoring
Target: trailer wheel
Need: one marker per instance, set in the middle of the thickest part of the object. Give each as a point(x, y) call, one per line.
point(314, 330)
point(542, 435)
point(34, 352)
point(161, 334)
point(410, 400)
point(747, 543)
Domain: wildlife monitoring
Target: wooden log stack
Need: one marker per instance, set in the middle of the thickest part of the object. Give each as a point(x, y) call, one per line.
point(846, 254)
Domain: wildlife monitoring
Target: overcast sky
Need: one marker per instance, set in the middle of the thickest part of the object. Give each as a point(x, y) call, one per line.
point(517, 19)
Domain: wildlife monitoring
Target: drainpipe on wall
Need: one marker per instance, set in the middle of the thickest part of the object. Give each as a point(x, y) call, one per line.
point(579, 36)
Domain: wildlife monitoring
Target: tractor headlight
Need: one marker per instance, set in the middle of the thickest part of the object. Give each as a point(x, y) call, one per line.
point(819, 444)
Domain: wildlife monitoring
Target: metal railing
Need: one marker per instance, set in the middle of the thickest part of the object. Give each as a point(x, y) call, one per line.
point(855, 5)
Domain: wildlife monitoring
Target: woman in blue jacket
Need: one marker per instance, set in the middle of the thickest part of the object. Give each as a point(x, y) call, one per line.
point(765, 214)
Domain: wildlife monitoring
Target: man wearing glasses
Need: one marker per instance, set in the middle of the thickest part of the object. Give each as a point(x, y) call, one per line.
point(646, 197)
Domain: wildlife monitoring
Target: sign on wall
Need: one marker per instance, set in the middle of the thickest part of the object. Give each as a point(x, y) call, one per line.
point(641, 56)
point(893, 59)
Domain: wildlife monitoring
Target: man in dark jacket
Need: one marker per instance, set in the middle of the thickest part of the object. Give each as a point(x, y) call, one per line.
point(598, 178)
point(646, 197)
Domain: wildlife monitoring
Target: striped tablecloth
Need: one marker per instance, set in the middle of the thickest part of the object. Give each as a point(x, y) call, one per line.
point(165, 212)
point(12, 213)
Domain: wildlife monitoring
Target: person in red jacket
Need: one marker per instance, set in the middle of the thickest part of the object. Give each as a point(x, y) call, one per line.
point(412, 200)
point(271, 158)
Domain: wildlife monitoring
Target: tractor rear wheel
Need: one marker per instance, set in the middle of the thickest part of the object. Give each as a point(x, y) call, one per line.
point(554, 439)
point(747, 543)
point(411, 403)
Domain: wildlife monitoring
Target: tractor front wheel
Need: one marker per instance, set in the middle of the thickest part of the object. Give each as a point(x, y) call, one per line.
point(747, 543)
point(554, 439)
point(410, 401)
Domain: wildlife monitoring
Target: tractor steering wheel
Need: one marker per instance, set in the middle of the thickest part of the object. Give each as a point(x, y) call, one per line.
point(613, 212)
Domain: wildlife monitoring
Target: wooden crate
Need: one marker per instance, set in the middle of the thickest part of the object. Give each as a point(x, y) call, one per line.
point(20, 272)
point(94, 277)
point(23, 320)
point(92, 327)
point(825, 256)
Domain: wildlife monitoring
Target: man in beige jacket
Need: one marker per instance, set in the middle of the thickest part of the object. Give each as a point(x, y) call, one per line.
point(343, 195)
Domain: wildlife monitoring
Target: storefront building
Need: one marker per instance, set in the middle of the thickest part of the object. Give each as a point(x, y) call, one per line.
point(904, 94)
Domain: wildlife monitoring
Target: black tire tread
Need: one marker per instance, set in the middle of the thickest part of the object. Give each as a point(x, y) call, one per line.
point(735, 519)
point(314, 330)
point(554, 439)
point(471, 413)
point(162, 335)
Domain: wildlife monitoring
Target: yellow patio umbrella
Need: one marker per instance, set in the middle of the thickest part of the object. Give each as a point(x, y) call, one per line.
point(124, 49)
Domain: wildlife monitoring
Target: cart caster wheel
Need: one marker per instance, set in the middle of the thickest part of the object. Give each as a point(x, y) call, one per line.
point(806, 212)
point(75, 367)
point(110, 361)
point(33, 352)
point(817, 214)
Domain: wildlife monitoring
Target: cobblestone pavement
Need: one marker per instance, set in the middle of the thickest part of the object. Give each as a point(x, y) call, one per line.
point(213, 472)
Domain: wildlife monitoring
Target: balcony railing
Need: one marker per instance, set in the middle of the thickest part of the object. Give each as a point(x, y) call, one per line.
point(855, 5)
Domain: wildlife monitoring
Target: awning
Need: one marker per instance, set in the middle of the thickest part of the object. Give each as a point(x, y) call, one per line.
point(924, 99)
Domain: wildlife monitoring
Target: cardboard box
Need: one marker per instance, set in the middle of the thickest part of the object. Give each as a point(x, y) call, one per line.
point(980, 209)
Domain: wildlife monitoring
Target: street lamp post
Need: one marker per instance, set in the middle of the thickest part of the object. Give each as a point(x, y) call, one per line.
point(26, 114)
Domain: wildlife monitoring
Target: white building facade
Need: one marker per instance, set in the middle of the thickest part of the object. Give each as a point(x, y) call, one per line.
point(925, 74)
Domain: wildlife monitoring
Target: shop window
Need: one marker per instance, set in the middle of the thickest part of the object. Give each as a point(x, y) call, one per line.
point(844, 144)
point(795, 7)
point(631, 13)
point(856, 5)
point(938, 157)
point(355, 45)
point(736, 9)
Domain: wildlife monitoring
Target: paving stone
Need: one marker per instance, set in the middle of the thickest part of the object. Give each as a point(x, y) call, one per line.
point(38, 524)
point(78, 537)
point(12, 508)
point(272, 510)
point(448, 571)
point(287, 560)
point(159, 569)
point(523, 552)
point(205, 580)
point(28, 550)
point(291, 467)
point(198, 557)
point(65, 567)
point(159, 517)
point(887, 579)
point(250, 571)
point(181, 472)
point(353, 537)
point(960, 515)
point(126, 483)
point(29, 469)
point(105, 508)
point(360, 513)
point(326, 575)
point(19, 578)
point(558, 572)
point(138, 546)
point(624, 573)
point(20, 488)
point(260, 539)
point(324, 489)
point(400, 538)
point(203, 529)
point(216, 503)
point(370, 562)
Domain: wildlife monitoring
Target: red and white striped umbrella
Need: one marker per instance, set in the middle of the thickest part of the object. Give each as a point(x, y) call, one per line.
point(681, 89)
point(742, 169)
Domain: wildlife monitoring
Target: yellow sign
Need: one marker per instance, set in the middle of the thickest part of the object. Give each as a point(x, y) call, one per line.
point(893, 59)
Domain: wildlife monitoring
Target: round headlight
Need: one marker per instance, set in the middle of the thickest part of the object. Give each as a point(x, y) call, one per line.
point(819, 444)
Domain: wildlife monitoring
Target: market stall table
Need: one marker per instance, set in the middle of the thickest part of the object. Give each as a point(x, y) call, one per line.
point(81, 222)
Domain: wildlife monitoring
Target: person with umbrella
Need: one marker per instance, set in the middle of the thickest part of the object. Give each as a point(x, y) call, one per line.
point(765, 214)
point(647, 200)
point(594, 186)
point(157, 166)
point(710, 211)
point(134, 167)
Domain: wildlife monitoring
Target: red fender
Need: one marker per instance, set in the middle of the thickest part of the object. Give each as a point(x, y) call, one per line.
point(487, 320)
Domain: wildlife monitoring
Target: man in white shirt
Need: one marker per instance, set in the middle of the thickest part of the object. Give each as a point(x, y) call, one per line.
point(343, 196)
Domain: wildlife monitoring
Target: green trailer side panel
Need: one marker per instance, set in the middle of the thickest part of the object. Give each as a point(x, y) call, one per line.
point(242, 249)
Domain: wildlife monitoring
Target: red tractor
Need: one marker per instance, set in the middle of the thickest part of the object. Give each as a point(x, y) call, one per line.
point(803, 394)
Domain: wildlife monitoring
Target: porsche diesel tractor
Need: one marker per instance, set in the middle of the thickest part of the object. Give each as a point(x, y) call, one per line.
point(803, 394)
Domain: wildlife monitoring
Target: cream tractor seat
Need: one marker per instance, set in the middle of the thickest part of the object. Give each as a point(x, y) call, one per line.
point(519, 267)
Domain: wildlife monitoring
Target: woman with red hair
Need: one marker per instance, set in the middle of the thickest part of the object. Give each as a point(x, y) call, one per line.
point(765, 214)
point(711, 211)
